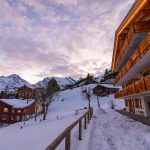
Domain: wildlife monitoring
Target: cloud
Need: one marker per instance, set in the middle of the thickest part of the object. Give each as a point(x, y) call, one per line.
point(58, 38)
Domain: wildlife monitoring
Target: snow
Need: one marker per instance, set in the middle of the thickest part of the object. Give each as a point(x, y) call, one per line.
point(12, 82)
point(62, 82)
point(33, 136)
point(98, 79)
point(61, 113)
point(18, 103)
point(110, 86)
point(110, 130)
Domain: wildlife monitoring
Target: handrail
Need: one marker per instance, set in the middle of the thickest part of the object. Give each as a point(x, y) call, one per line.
point(66, 134)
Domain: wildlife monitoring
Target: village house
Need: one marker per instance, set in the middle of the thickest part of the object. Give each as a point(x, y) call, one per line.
point(108, 78)
point(16, 110)
point(25, 92)
point(131, 59)
point(104, 90)
point(38, 93)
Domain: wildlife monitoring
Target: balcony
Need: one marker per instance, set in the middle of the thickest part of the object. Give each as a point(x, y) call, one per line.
point(139, 60)
point(134, 37)
point(139, 88)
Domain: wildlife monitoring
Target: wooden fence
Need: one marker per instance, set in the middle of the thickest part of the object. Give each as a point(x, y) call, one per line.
point(66, 134)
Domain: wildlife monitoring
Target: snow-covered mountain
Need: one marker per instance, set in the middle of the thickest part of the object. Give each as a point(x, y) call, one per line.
point(62, 82)
point(12, 82)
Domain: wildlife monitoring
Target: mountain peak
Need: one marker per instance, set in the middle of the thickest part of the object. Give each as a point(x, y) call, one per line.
point(13, 76)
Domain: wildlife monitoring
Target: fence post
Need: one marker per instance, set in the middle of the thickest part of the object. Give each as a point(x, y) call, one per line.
point(88, 117)
point(89, 113)
point(67, 141)
point(85, 126)
point(80, 130)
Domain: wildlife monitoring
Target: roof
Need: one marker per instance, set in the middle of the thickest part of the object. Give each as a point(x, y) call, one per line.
point(110, 86)
point(18, 103)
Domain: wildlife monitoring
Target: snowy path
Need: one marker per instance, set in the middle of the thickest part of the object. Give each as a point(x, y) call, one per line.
point(112, 131)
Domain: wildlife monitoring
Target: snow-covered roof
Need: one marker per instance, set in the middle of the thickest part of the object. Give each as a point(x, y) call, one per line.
point(18, 103)
point(110, 86)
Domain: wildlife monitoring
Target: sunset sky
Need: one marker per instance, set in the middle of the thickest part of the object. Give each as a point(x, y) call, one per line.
point(40, 38)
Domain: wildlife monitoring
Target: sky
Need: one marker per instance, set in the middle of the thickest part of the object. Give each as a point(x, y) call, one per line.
point(44, 38)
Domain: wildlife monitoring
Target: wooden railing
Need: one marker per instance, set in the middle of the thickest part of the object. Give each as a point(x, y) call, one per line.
point(139, 86)
point(66, 134)
point(143, 48)
point(143, 26)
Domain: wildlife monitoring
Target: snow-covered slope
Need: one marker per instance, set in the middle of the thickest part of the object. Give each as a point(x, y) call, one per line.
point(12, 82)
point(62, 82)
point(61, 113)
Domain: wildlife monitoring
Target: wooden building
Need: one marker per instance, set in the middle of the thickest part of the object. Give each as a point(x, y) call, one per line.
point(16, 110)
point(25, 92)
point(38, 93)
point(108, 78)
point(104, 90)
point(131, 58)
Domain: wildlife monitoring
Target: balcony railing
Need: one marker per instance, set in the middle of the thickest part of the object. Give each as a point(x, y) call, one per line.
point(139, 86)
point(138, 27)
point(143, 48)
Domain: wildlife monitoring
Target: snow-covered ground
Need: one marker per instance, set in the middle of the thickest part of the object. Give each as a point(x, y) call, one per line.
point(38, 135)
point(110, 130)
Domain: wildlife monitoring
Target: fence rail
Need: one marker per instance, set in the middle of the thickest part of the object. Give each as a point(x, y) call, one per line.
point(66, 134)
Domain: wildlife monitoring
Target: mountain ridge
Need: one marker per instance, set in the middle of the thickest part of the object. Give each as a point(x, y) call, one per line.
point(14, 81)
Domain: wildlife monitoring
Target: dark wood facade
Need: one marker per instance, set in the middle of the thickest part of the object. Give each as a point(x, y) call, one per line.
point(101, 90)
point(131, 58)
point(25, 92)
point(10, 115)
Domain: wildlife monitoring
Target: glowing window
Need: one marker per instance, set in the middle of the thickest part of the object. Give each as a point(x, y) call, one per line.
point(5, 109)
point(19, 111)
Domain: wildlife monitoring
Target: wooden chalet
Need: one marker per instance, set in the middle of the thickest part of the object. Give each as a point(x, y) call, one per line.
point(108, 78)
point(25, 92)
point(104, 90)
point(16, 110)
point(131, 58)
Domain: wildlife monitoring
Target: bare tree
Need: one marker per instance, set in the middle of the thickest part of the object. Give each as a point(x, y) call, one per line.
point(46, 104)
point(35, 113)
point(88, 96)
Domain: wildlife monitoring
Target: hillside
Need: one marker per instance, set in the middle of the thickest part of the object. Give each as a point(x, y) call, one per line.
point(41, 133)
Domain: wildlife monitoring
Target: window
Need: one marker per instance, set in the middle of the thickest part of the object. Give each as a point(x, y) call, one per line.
point(12, 110)
point(12, 117)
point(138, 103)
point(19, 111)
point(4, 117)
point(5, 109)
point(18, 118)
